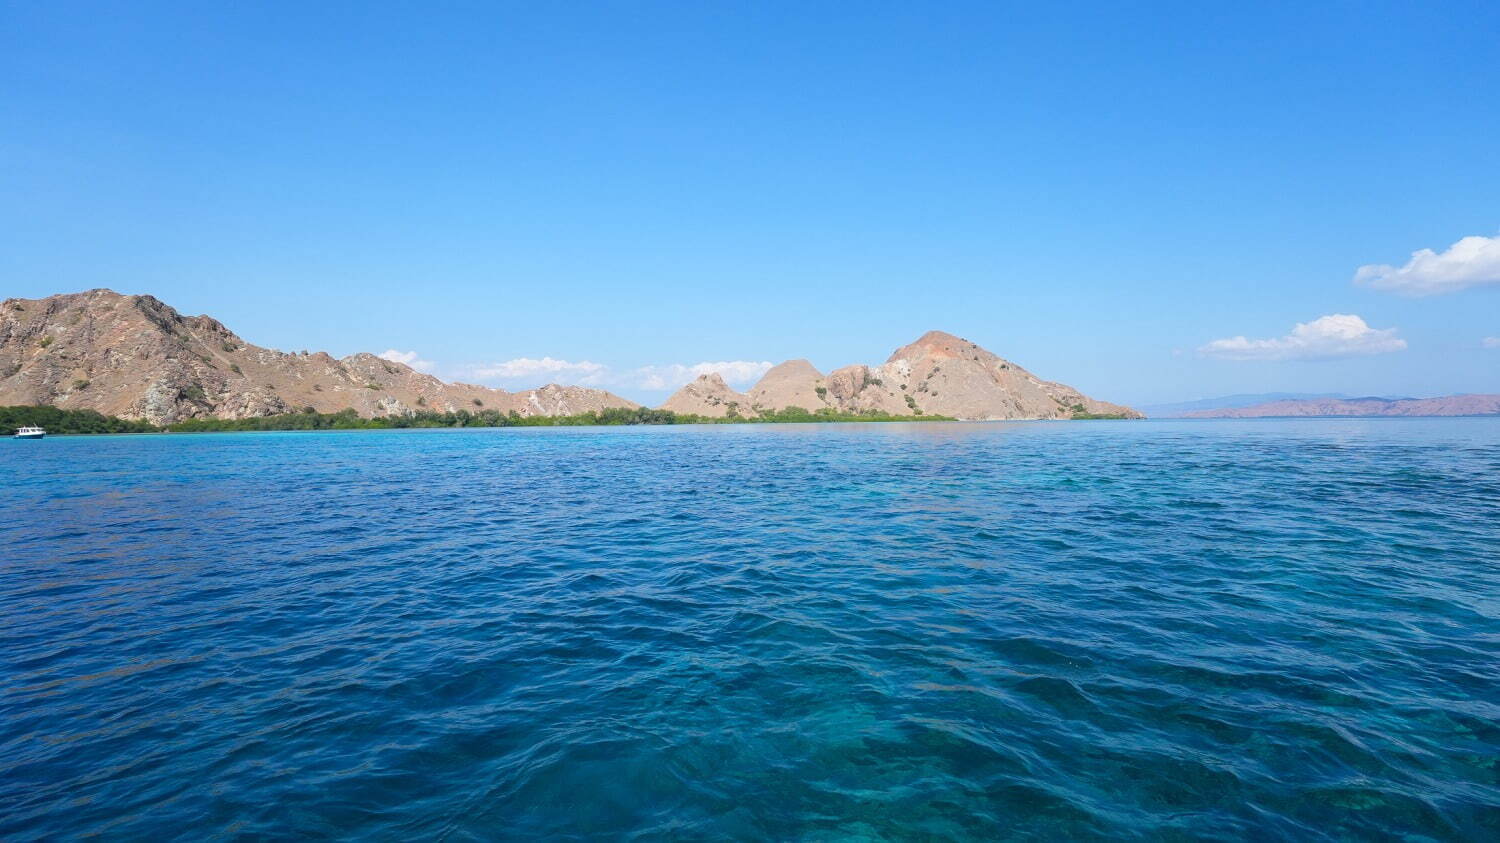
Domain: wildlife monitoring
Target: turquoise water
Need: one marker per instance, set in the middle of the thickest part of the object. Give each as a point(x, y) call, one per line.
point(1242, 629)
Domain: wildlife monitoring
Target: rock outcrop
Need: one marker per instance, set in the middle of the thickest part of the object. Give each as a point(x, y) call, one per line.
point(558, 400)
point(135, 357)
point(939, 374)
point(709, 396)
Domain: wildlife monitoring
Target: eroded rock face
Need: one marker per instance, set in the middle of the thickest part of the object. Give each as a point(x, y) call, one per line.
point(939, 374)
point(136, 357)
point(709, 396)
point(860, 388)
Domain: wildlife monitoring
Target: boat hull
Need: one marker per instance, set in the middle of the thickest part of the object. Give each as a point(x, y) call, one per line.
point(30, 435)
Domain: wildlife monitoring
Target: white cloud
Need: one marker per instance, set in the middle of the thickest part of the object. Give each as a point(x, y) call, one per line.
point(1471, 262)
point(410, 358)
point(1335, 335)
point(1490, 342)
point(529, 371)
point(671, 376)
point(582, 372)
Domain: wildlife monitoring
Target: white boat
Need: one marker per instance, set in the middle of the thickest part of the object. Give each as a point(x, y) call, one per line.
point(30, 433)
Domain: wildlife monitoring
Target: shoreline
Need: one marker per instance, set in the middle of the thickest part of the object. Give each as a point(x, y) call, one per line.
point(751, 422)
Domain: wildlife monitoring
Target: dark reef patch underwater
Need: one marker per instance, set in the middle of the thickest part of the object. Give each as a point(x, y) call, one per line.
point(1263, 630)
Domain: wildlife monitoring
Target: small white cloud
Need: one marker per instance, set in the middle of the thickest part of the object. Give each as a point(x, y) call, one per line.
point(1471, 262)
point(1490, 342)
point(528, 371)
point(671, 376)
point(1335, 335)
point(582, 372)
point(410, 358)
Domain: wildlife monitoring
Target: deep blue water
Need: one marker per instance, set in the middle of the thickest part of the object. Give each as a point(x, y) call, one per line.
point(1244, 629)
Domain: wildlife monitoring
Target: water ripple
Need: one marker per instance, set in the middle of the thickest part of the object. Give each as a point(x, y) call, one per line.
point(1283, 630)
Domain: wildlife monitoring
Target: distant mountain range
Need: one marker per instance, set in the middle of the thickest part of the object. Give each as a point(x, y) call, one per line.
point(136, 357)
point(1181, 408)
point(1448, 405)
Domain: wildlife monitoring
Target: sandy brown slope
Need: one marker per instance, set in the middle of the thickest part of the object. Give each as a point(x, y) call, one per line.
point(709, 396)
point(135, 357)
point(950, 376)
point(794, 383)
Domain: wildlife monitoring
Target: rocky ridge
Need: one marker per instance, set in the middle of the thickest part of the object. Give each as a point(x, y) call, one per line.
point(939, 374)
point(136, 357)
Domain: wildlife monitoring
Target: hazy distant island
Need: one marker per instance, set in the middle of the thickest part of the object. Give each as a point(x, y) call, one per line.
point(136, 359)
point(1447, 405)
point(1180, 409)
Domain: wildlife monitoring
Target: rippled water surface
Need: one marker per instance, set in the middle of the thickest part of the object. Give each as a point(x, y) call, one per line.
point(1268, 629)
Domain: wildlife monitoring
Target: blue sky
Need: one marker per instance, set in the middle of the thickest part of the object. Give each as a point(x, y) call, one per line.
point(1109, 195)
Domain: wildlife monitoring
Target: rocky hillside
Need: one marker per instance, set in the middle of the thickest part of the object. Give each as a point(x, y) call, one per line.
point(135, 357)
point(794, 383)
point(1448, 405)
point(939, 374)
point(709, 396)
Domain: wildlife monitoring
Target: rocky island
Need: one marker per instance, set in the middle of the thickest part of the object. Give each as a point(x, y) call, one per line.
point(135, 357)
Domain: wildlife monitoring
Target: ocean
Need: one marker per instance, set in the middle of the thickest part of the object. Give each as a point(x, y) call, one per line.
point(1092, 630)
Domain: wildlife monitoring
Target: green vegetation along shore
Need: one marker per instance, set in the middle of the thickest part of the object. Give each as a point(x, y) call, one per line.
point(349, 420)
point(67, 421)
point(56, 420)
point(88, 421)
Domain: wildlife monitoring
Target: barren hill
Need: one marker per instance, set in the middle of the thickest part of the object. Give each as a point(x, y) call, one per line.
point(709, 396)
point(951, 376)
point(794, 383)
point(939, 374)
point(135, 357)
